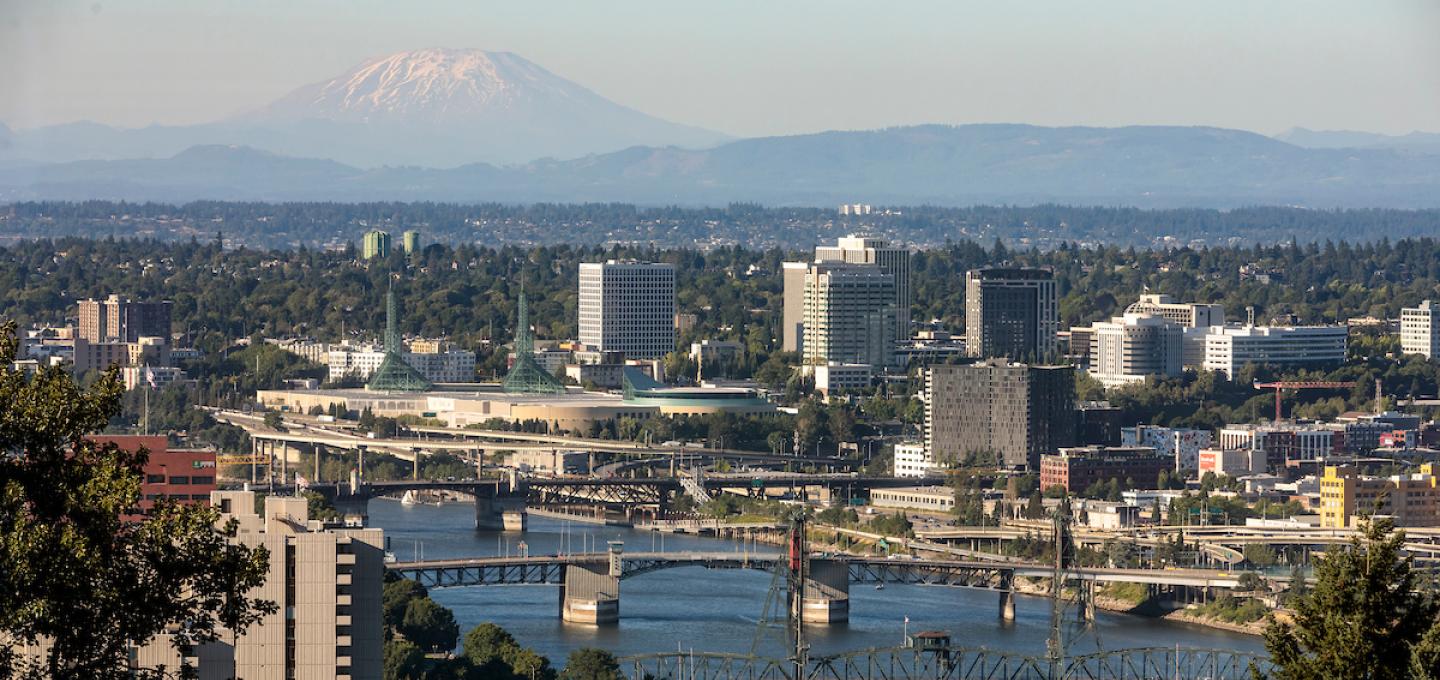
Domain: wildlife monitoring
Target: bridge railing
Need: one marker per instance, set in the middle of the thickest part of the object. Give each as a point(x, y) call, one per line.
point(957, 663)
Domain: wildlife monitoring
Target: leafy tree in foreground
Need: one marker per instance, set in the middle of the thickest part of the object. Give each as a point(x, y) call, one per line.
point(588, 663)
point(1364, 619)
point(402, 661)
point(429, 625)
point(77, 576)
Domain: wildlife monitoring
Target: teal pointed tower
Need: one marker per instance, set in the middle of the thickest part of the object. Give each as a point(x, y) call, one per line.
point(526, 377)
point(394, 374)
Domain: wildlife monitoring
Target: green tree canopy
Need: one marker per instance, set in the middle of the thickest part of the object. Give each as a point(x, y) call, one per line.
point(588, 663)
point(1364, 619)
point(76, 572)
point(429, 625)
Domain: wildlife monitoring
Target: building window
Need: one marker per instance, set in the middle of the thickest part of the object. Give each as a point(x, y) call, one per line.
point(179, 480)
point(154, 479)
point(202, 480)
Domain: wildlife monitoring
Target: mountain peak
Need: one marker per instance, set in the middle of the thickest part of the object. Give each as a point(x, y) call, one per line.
point(429, 86)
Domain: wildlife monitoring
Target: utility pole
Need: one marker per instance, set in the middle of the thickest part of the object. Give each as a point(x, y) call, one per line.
point(799, 568)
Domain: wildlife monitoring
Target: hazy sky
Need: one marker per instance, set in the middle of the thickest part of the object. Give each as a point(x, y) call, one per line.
point(765, 66)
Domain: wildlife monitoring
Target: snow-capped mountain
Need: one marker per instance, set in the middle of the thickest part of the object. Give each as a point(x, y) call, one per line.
point(430, 107)
point(436, 85)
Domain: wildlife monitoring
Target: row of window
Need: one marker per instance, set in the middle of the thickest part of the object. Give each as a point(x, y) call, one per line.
point(160, 479)
point(178, 496)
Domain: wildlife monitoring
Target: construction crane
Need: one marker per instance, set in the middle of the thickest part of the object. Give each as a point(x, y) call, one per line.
point(1283, 385)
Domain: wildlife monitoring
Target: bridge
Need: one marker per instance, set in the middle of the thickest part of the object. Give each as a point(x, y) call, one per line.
point(949, 662)
point(590, 588)
point(500, 504)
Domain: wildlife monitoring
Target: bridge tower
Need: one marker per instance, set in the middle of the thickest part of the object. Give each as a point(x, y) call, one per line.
point(591, 591)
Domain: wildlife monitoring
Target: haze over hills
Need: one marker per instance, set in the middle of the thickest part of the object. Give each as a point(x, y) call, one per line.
point(431, 107)
point(932, 164)
point(1423, 142)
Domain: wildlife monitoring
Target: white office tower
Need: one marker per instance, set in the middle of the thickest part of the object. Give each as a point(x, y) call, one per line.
point(793, 315)
point(628, 307)
point(1419, 330)
point(1186, 314)
point(893, 261)
point(1228, 348)
point(849, 315)
point(1130, 347)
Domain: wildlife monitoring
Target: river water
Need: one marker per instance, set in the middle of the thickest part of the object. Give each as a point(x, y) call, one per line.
point(693, 608)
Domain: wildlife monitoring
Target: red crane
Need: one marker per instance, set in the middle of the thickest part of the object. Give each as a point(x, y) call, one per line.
point(1298, 385)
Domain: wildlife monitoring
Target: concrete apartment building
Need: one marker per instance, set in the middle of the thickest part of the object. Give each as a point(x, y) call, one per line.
point(849, 315)
point(1420, 329)
point(912, 460)
point(1413, 500)
point(628, 307)
point(1282, 442)
point(118, 319)
point(1016, 411)
point(327, 582)
point(1228, 348)
point(1129, 348)
point(375, 244)
point(854, 249)
point(1010, 312)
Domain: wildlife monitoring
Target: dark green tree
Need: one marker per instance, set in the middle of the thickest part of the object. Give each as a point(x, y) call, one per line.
point(429, 625)
point(1365, 618)
point(396, 597)
point(402, 660)
point(77, 573)
point(588, 663)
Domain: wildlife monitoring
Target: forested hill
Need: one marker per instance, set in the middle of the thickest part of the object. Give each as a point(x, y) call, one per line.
point(334, 225)
point(469, 293)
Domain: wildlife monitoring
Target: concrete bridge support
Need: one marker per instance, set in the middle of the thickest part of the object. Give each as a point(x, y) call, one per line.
point(591, 592)
point(827, 592)
point(500, 514)
point(1086, 600)
point(1007, 596)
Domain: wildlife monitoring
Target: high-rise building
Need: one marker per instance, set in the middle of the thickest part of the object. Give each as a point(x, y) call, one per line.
point(1128, 348)
point(376, 244)
point(410, 241)
point(849, 315)
point(1420, 330)
point(1412, 500)
point(792, 333)
point(1016, 412)
point(326, 581)
point(1010, 312)
point(1228, 348)
point(893, 261)
point(117, 319)
point(1187, 314)
point(628, 307)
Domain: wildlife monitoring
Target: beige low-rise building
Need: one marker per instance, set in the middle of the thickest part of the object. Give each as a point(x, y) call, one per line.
point(938, 498)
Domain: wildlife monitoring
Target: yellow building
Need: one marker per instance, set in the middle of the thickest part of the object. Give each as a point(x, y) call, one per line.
point(1412, 500)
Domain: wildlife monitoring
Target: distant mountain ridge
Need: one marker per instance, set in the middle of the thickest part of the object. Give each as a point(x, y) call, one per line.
point(931, 164)
point(431, 107)
point(1424, 142)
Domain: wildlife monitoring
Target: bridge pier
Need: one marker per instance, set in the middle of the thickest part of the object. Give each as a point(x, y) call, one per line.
point(1086, 601)
point(496, 514)
point(591, 592)
point(827, 593)
point(1007, 596)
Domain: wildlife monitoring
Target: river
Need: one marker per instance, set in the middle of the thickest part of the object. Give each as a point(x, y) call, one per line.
point(717, 610)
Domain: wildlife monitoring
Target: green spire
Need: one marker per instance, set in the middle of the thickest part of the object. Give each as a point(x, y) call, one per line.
point(394, 374)
point(526, 377)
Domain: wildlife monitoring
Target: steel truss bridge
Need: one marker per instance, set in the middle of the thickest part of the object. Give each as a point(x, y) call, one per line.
point(550, 570)
point(953, 663)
